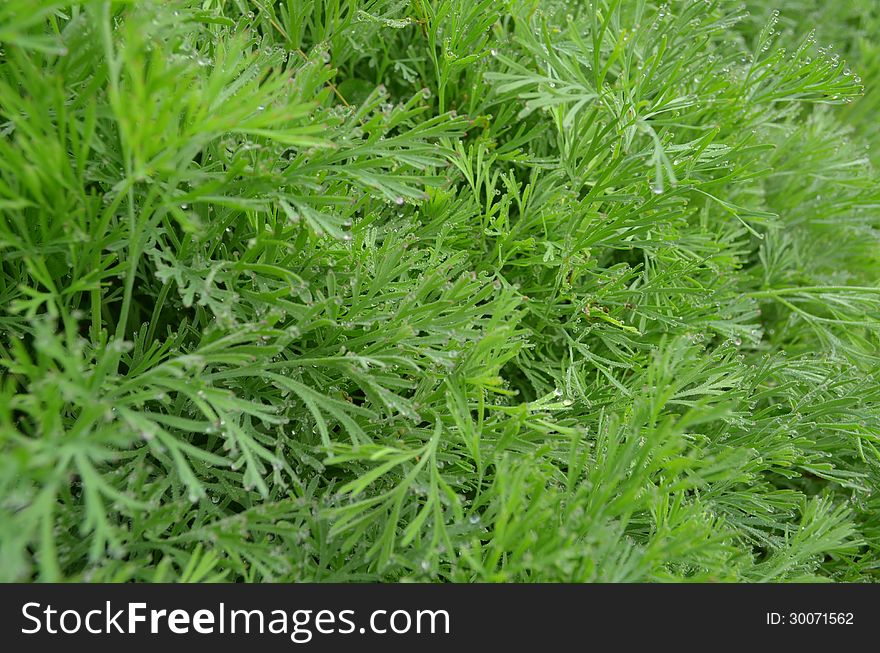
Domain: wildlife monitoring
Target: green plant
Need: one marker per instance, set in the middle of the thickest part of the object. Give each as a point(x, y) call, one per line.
point(341, 290)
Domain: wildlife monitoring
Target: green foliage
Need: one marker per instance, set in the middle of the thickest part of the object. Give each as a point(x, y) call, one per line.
point(342, 290)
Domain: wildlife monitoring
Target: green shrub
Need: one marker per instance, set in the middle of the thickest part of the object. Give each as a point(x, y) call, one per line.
point(483, 290)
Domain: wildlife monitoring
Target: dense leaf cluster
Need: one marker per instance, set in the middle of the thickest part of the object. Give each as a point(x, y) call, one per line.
point(462, 290)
